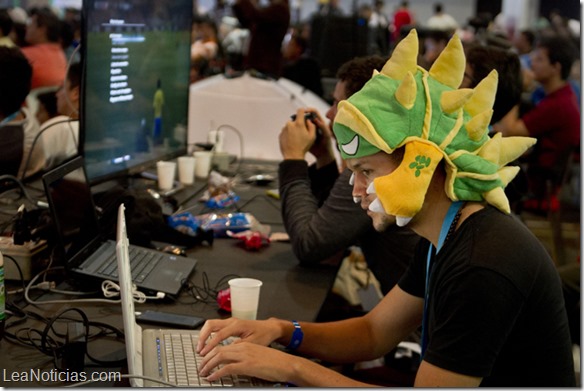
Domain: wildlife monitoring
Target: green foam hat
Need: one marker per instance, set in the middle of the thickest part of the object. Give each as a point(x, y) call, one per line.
point(424, 111)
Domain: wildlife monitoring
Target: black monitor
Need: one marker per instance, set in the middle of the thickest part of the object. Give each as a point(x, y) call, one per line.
point(135, 84)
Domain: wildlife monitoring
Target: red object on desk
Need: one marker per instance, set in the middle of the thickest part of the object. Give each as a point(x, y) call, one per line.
point(252, 240)
point(224, 299)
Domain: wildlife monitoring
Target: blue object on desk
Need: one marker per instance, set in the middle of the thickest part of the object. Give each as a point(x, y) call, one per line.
point(222, 200)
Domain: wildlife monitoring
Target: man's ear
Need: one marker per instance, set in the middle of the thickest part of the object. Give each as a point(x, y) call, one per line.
point(75, 94)
point(558, 68)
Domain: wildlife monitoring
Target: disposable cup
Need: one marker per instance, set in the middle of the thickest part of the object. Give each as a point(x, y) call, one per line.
point(203, 163)
point(166, 172)
point(245, 296)
point(186, 170)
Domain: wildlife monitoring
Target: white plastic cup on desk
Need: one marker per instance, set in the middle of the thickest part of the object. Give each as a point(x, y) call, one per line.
point(203, 163)
point(166, 172)
point(245, 297)
point(186, 170)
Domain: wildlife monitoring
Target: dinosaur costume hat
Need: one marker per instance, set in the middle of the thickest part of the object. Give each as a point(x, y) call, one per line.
point(405, 105)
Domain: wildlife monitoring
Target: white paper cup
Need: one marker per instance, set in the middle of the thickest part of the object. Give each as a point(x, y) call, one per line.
point(166, 172)
point(186, 170)
point(203, 163)
point(245, 297)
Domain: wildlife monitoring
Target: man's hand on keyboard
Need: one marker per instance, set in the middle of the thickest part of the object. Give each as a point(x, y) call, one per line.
point(250, 359)
point(261, 332)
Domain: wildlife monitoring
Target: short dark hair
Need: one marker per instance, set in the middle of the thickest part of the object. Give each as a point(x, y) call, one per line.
point(49, 101)
point(438, 8)
point(5, 22)
point(560, 50)
point(483, 59)
point(47, 18)
point(358, 71)
point(74, 75)
point(15, 79)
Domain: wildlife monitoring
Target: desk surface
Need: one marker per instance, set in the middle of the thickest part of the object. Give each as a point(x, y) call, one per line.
point(289, 291)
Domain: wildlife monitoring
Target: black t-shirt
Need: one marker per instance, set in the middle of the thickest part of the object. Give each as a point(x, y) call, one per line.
point(496, 308)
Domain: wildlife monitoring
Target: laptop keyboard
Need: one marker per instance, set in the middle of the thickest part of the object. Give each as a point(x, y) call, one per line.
point(182, 364)
point(142, 262)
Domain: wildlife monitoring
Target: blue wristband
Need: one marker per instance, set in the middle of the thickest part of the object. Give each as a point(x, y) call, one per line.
point(297, 336)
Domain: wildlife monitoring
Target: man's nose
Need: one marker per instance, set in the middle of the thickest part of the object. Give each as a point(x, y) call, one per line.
point(359, 187)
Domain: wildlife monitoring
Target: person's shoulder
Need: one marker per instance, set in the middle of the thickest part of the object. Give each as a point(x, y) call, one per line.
point(504, 245)
point(58, 120)
point(562, 99)
point(30, 123)
point(496, 232)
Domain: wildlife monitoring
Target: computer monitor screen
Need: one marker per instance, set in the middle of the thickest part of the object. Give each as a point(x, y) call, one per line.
point(135, 88)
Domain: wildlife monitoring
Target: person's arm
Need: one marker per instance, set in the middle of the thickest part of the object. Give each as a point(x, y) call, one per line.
point(296, 139)
point(322, 148)
point(271, 365)
point(432, 376)
point(322, 180)
point(356, 339)
point(350, 340)
point(363, 338)
point(318, 233)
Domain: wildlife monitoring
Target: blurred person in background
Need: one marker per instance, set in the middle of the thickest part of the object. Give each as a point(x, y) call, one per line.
point(60, 134)
point(299, 66)
point(268, 25)
point(440, 20)
point(45, 53)
point(402, 17)
point(15, 80)
point(554, 121)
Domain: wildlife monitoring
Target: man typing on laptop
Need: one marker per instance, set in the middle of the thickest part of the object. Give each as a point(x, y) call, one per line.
point(482, 287)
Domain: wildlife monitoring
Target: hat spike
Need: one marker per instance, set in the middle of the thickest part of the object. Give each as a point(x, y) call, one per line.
point(449, 67)
point(506, 174)
point(498, 199)
point(404, 58)
point(478, 125)
point(484, 96)
point(453, 100)
point(406, 92)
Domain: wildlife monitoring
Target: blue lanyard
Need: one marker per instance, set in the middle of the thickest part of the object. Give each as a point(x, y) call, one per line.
point(450, 215)
point(9, 118)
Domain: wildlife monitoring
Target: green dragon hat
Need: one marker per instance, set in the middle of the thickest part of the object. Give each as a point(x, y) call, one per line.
point(405, 105)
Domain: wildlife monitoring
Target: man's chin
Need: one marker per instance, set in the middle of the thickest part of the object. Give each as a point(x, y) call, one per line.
point(381, 221)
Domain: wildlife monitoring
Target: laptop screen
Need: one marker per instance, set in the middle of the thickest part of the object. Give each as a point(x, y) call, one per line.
point(71, 204)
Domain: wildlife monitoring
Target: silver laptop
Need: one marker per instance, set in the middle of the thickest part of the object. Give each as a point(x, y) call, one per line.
point(164, 354)
point(90, 254)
